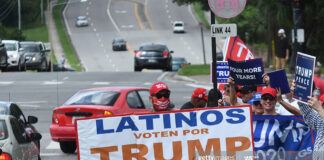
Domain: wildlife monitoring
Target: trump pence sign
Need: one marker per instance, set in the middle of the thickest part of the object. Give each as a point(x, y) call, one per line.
point(217, 132)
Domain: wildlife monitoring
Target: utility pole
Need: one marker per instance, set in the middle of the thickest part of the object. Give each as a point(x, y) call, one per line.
point(202, 41)
point(19, 15)
point(298, 32)
point(214, 54)
point(42, 12)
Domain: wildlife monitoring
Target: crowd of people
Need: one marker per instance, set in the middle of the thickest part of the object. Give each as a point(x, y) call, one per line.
point(268, 101)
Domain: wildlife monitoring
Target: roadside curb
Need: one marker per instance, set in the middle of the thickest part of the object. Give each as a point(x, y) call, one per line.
point(175, 77)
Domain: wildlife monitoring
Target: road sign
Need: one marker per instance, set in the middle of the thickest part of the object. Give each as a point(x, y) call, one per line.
point(223, 30)
point(227, 8)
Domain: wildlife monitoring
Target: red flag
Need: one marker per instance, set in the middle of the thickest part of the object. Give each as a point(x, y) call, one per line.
point(235, 49)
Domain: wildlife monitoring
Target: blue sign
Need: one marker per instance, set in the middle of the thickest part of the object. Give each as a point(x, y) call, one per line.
point(282, 137)
point(278, 79)
point(247, 72)
point(304, 76)
point(222, 72)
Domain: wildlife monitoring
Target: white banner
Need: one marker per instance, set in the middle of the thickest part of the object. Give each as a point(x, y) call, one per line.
point(190, 134)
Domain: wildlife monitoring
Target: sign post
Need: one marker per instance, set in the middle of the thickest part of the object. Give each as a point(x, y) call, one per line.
point(222, 9)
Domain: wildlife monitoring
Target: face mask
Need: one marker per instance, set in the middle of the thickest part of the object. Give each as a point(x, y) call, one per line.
point(161, 104)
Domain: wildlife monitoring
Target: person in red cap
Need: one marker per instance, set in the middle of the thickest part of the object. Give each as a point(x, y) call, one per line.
point(160, 97)
point(268, 101)
point(198, 99)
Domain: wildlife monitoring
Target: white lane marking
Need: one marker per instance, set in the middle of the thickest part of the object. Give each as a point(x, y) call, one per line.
point(148, 83)
point(162, 76)
point(90, 2)
point(94, 29)
point(167, 11)
point(87, 8)
point(24, 102)
point(102, 45)
point(117, 70)
point(99, 40)
point(89, 18)
point(52, 82)
point(100, 83)
point(114, 65)
point(169, 17)
point(97, 34)
point(127, 26)
point(192, 15)
point(29, 105)
point(84, 0)
point(6, 82)
point(87, 14)
point(65, 78)
point(65, 20)
point(51, 154)
point(199, 86)
point(91, 24)
point(166, 6)
point(120, 11)
point(110, 17)
point(53, 145)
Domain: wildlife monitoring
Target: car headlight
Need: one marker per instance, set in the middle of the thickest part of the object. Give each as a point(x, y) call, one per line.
point(34, 59)
point(14, 56)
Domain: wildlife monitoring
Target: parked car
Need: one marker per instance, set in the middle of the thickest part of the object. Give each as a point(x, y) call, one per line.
point(95, 102)
point(178, 27)
point(178, 62)
point(119, 44)
point(81, 21)
point(10, 108)
point(15, 142)
point(3, 57)
point(153, 56)
point(16, 55)
point(36, 55)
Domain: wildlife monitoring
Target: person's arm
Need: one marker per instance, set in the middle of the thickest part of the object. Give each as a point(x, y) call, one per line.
point(316, 105)
point(233, 96)
point(287, 54)
point(287, 106)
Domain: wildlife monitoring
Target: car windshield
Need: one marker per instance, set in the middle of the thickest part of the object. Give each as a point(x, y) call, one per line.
point(4, 109)
point(179, 59)
point(119, 40)
point(30, 47)
point(11, 46)
point(159, 48)
point(3, 130)
point(81, 18)
point(178, 25)
point(93, 98)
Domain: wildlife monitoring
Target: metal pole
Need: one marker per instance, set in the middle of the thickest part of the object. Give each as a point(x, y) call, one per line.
point(202, 41)
point(214, 52)
point(19, 15)
point(42, 12)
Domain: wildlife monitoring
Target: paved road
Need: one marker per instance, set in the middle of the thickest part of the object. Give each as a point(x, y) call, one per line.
point(38, 93)
point(137, 21)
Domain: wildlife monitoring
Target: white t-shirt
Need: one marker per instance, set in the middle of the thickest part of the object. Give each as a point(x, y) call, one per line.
point(282, 110)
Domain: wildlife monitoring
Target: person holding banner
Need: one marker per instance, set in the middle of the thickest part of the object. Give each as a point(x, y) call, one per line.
point(282, 50)
point(314, 119)
point(198, 99)
point(160, 97)
point(215, 99)
point(247, 93)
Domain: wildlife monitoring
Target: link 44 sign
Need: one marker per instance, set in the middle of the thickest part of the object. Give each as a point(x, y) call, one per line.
point(227, 8)
point(223, 30)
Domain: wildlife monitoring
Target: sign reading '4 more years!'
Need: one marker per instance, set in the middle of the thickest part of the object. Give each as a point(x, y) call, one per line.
point(181, 135)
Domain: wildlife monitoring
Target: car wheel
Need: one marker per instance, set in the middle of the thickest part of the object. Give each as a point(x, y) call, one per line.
point(137, 69)
point(68, 146)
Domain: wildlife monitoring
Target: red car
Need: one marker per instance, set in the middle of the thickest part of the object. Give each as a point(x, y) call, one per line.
point(95, 102)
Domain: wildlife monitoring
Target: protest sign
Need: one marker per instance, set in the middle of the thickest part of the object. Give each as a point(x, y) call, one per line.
point(282, 137)
point(247, 72)
point(218, 132)
point(278, 79)
point(222, 72)
point(235, 49)
point(304, 74)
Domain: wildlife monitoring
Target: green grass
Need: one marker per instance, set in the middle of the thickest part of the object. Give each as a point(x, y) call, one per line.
point(201, 15)
point(66, 45)
point(191, 70)
point(36, 33)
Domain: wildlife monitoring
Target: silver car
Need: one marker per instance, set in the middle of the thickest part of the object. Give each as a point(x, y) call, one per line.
point(16, 58)
point(15, 142)
point(81, 21)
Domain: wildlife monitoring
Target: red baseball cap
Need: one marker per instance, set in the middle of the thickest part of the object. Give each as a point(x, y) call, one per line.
point(157, 87)
point(200, 93)
point(322, 98)
point(270, 91)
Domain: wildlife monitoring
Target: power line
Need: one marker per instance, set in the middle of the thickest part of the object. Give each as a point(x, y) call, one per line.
point(9, 9)
point(4, 6)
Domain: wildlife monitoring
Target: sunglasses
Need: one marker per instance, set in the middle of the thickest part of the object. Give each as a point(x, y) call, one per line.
point(159, 95)
point(268, 98)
